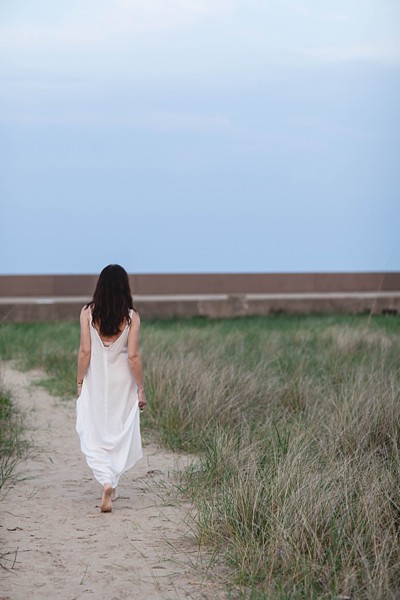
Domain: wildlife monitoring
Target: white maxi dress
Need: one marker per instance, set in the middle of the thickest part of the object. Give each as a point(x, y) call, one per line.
point(108, 421)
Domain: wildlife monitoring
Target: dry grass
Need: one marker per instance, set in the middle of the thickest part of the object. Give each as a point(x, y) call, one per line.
point(297, 429)
point(13, 445)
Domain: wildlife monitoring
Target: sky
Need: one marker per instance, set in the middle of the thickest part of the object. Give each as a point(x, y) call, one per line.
point(175, 136)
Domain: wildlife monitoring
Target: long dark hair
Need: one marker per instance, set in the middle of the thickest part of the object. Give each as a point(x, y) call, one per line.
point(112, 300)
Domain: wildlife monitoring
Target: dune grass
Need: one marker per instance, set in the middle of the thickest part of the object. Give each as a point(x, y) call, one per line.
point(13, 445)
point(296, 424)
point(52, 347)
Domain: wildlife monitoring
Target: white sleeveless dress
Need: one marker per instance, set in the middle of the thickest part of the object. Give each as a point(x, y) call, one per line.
point(108, 421)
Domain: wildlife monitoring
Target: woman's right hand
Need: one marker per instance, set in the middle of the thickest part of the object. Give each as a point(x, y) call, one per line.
point(142, 399)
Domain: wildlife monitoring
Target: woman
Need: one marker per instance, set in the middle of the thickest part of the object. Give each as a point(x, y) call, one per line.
point(110, 382)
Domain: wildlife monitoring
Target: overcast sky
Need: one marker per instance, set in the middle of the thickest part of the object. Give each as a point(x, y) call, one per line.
point(199, 135)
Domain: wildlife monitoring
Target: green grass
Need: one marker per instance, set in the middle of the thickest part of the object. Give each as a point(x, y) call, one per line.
point(13, 446)
point(52, 347)
point(295, 420)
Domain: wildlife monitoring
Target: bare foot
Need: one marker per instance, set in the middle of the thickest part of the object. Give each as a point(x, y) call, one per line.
point(114, 495)
point(106, 504)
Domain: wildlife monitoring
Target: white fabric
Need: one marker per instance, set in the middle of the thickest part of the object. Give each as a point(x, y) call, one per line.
point(108, 421)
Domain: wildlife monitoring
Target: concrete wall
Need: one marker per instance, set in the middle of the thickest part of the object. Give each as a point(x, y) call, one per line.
point(55, 297)
point(232, 283)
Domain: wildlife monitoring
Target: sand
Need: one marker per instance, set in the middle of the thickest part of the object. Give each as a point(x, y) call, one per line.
point(65, 548)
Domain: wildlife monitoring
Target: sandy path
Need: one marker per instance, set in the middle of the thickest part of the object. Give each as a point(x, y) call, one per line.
point(67, 549)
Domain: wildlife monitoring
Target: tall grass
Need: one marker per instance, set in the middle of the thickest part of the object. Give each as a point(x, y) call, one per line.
point(13, 445)
point(52, 347)
point(296, 424)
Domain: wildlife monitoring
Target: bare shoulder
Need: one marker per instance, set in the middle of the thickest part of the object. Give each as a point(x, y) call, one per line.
point(85, 313)
point(135, 317)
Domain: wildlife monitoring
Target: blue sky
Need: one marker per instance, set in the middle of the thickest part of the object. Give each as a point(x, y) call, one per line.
point(199, 135)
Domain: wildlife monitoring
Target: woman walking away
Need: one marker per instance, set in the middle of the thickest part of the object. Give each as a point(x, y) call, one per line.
point(110, 383)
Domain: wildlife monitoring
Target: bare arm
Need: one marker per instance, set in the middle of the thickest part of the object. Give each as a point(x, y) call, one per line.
point(84, 348)
point(134, 358)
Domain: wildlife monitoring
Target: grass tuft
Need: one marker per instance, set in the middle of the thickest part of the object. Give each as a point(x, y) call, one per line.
point(13, 446)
